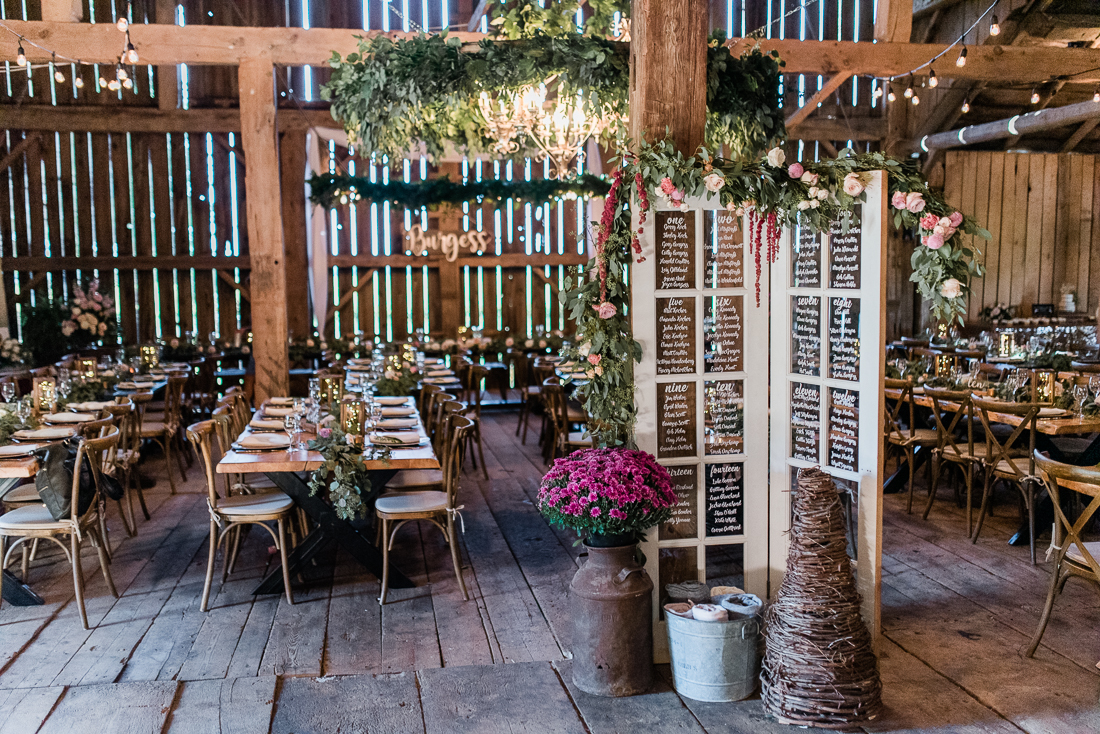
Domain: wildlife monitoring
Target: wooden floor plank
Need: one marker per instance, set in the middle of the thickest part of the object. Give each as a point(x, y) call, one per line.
point(525, 697)
point(296, 645)
point(132, 708)
point(230, 706)
point(353, 636)
point(387, 704)
point(22, 710)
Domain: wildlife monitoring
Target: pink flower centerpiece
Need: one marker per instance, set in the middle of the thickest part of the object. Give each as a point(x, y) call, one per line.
point(608, 495)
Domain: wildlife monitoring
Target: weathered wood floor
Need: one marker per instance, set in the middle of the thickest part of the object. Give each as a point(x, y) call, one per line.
point(956, 618)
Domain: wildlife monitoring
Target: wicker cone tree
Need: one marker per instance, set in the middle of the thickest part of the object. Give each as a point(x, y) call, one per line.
point(819, 666)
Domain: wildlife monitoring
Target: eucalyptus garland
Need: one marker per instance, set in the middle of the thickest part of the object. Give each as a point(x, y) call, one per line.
point(394, 92)
point(344, 473)
point(770, 195)
point(329, 189)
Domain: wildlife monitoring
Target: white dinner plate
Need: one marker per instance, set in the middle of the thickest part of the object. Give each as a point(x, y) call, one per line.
point(398, 412)
point(395, 439)
point(391, 400)
point(17, 450)
point(398, 423)
point(263, 441)
point(44, 434)
point(68, 417)
point(1052, 412)
point(88, 407)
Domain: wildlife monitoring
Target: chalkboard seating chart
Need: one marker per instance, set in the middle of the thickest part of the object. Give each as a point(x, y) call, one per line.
point(676, 427)
point(676, 336)
point(684, 522)
point(723, 252)
point(722, 333)
point(806, 335)
point(806, 259)
point(843, 429)
point(805, 421)
point(725, 495)
point(675, 250)
point(844, 339)
point(724, 417)
point(844, 250)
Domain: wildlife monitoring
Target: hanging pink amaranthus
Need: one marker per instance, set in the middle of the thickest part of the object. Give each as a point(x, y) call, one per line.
point(610, 206)
point(759, 237)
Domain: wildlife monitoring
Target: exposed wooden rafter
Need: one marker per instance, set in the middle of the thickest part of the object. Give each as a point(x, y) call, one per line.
point(1032, 122)
point(111, 119)
point(1080, 134)
point(820, 96)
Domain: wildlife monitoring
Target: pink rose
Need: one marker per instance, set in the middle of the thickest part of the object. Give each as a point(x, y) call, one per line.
point(934, 241)
point(853, 184)
point(809, 178)
point(795, 170)
point(951, 288)
point(914, 202)
point(714, 181)
point(956, 219)
point(666, 186)
point(928, 221)
point(593, 359)
point(324, 432)
point(677, 195)
point(732, 206)
point(898, 200)
point(606, 310)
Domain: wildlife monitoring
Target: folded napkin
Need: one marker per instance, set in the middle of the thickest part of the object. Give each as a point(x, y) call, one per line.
point(397, 412)
point(395, 439)
point(265, 425)
point(398, 423)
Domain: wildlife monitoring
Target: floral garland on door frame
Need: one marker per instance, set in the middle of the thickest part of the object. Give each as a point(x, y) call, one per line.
point(772, 195)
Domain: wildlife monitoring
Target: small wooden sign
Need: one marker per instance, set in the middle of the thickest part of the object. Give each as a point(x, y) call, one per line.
point(805, 421)
point(806, 335)
point(843, 446)
point(806, 259)
point(844, 258)
point(725, 496)
point(676, 335)
point(722, 334)
point(675, 250)
point(448, 245)
point(685, 515)
point(723, 251)
point(724, 417)
point(844, 339)
point(676, 425)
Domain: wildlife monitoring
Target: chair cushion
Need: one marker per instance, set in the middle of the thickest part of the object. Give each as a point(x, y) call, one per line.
point(923, 436)
point(412, 502)
point(960, 451)
point(151, 429)
point(416, 478)
point(31, 517)
point(268, 503)
point(23, 493)
point(1005, 467)
point(1074, 553)
point(577, 438)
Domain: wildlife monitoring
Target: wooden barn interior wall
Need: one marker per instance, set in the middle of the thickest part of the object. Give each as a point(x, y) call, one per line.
point(1039, 208)
point(162, 214)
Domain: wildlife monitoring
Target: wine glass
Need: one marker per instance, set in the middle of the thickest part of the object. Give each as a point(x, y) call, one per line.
point(8, 391)
point(292, 423)
point(23, 410)
point(1080, 395)
point(1094, 384)
point(64, 387)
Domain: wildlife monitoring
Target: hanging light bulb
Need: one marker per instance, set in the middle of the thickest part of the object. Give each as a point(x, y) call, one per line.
point(891, 97)
point(908, 93)
point(966, 105)
point(933, 82)
point(78, 81)
point(103, 82)
point(21, 57)
point(915, 100)
point(878, 93)
point(1034, 96)
point(114, 85)
point(121, 73)
point(994, 27)
point(57, 75)
point(131, 52)
point(1096, 95)
point(128, 83)
point(961, 61)
point(122, 23)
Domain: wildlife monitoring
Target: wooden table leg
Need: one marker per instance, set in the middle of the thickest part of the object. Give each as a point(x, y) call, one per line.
point(329, 527)
point(19, 594)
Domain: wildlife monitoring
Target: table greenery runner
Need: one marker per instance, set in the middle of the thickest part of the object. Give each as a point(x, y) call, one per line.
point(344, 473)
point(771, 195)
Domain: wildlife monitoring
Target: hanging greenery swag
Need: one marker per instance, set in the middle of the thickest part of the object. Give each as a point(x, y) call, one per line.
point(771, 195)
point(392, 92)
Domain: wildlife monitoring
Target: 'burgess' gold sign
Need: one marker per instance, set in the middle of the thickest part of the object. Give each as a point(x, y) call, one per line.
point(450, 244)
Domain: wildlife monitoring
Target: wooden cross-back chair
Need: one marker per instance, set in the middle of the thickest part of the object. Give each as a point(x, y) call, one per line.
point(474, 377)
point(562, 439)
point(164, 432)
point(228, 513)
point(441, 425)
point(901, 430)
point(529, 394)
point(961, 452)
point(437, 507)
point(424, 405)
point(125, 458)
point(34, 522)
point(1073, 556)
point(1007, 460)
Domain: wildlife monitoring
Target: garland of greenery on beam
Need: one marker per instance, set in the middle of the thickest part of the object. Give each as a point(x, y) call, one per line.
point(330, 189)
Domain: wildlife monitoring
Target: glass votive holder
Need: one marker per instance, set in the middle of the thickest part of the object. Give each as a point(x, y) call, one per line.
point(353, 417)
point(1044, 386)
point(332, 389)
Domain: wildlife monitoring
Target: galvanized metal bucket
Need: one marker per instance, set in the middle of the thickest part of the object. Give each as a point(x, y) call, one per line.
point(714, 661)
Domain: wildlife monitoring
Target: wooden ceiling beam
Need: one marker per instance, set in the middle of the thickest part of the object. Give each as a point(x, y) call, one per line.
point(115, 119)
point(834, 82)
point(1020, 125)
point(1080, 134)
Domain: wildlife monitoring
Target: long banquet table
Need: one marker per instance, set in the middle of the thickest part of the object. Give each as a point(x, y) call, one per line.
point(288, 471)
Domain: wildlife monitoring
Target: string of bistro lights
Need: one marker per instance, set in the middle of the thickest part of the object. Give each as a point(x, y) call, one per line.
point(122, 80)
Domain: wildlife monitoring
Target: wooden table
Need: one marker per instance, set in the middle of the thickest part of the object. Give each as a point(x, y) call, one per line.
point(1069, 426)
point(287, 470)
point(16, 592)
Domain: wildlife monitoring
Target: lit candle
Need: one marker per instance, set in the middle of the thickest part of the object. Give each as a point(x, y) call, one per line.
point(352, 420)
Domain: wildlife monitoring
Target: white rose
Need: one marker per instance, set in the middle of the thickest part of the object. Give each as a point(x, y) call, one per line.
point(776, 157)
point(822, 194)
point(714, 181)
point(951, 288)
point(939, 229)
point(812, 193)
point(584, 349)
point(803, 205)
point(853, 184)
point(944, 222)
point(815, 204)
point(809, 178)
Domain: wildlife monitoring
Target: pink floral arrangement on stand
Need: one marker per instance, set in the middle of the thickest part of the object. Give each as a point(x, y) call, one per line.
point(612, 491)
point(91, 316)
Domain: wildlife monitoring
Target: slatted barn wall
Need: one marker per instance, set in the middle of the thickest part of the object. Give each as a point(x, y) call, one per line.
point(111, 195)
point(1039, 209)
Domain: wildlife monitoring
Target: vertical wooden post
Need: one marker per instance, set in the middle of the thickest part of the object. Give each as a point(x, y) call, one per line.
point(668, 71)
point(256, 80)
point(167, 80)
point(292, 161)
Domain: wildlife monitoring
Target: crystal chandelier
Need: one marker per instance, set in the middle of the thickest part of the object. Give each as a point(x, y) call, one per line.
point(558, 127)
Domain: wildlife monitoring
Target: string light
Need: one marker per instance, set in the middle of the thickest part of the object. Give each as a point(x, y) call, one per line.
point(891, 97)
point(122, 23)
point(915, 100)
point(21, 57)
point(1034, 96)
point(908, 93)
point(128, 83)
point(129, 55)
point(961, 61)
point(966, 105)
point(78, 81)
point(994, 26)
point(933, 82)
point(1096, 95)
point(131, 52)
point(121, 73)
point(103, 82)
point(114, 85)
point(878, 92)
point(57, 75)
